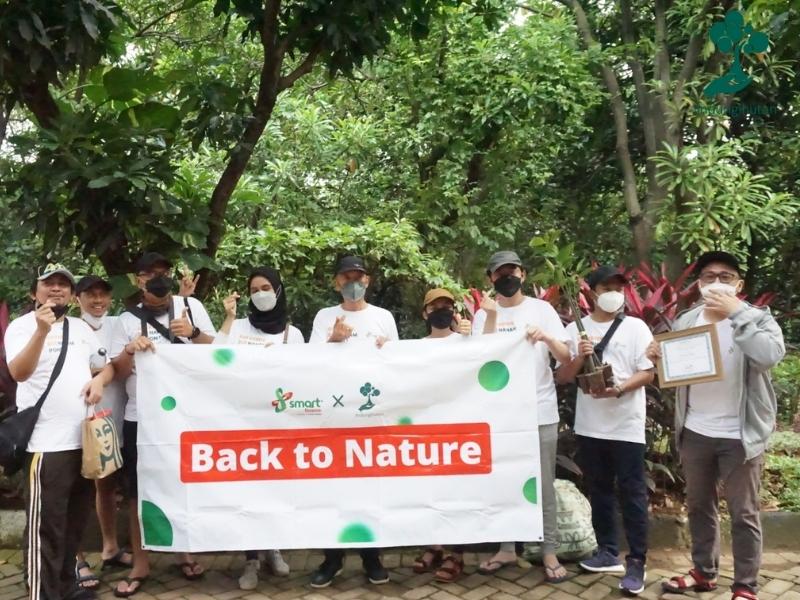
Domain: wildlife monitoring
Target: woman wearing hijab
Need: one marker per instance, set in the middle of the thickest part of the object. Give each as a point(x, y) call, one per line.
point(266, 323)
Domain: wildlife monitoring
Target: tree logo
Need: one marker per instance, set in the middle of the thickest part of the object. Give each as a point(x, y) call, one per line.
point(369, 393)
point(280, 400)
point(732, 36)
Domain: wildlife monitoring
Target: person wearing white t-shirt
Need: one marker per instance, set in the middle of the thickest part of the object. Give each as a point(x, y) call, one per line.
point(610, 426)
point(353, 321)
point(179, 320)
point(513, 313)
point(267, 323)
point(722, 427)
point(58, 497)
point(444, 326)
point(93, 294)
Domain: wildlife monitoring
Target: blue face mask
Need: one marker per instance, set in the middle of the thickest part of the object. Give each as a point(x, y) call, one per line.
point(354, 291)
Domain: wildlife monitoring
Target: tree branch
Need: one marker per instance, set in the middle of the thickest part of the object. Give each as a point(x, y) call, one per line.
point(692, 54)
point(303, 68)
point(144, 28)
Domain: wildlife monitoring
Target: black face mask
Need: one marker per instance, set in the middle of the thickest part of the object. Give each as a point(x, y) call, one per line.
point(440, 318)
point(60, 311)
point(508, 285)
point(160, 286)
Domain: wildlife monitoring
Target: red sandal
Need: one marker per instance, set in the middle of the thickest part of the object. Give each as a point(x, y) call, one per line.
point(700, 583)
point(451, 569)
point(425, 566)
point(743, 593)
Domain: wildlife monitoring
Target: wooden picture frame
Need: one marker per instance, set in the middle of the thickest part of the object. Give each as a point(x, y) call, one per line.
point(689, 357)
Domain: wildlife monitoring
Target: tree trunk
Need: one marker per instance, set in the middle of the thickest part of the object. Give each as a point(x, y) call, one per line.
point(642, 238)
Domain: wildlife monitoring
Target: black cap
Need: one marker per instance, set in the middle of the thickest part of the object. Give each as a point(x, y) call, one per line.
point(719, 257)
point(90, 281)
point(350, 263)
point(150, 259)
point(604, 273)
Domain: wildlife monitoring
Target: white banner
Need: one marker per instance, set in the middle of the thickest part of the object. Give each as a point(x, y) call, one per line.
point(338, 445)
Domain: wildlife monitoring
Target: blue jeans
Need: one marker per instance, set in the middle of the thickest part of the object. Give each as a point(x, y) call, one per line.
point(605, 462)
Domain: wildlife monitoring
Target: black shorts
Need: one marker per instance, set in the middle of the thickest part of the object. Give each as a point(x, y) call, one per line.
point(129, 458)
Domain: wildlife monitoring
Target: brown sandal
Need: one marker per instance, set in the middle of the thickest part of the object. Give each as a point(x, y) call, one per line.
point(451, 569)
point(425, 566)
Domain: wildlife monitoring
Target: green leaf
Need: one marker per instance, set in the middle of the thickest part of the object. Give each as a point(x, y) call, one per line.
point(101, 182)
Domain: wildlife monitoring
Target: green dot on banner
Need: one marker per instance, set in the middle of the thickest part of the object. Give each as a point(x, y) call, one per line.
point(156, 525)
point(494, 376)
point(168, 403)
point(529, 491)
point(223, 356)
point(356, 533)
point(404, 421)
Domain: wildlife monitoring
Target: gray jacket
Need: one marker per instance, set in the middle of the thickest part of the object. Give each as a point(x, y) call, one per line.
point(760, 339)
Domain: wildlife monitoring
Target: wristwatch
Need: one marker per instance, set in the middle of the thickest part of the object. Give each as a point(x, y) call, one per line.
point(195, 332)
point(619, 390)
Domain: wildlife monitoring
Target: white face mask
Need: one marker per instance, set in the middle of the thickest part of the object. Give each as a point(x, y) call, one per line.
point(718, 286)
point(94, 322)
point(611, 302)
point(264, 301)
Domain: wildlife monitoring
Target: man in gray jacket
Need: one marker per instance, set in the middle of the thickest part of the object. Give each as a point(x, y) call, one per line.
point(722, 427)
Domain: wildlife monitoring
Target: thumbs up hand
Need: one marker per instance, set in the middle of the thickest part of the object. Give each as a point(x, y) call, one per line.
point(181, 327)
point(463, 326)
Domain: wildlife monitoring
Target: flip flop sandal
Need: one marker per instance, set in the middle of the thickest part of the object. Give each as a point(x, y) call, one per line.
point(743, 593)
point(488, 570)
point(434, 560)
point(551, 577)
point(679, 585)
point(116, 562)
point(191, 565)
point(450, 570)
point(129, 580)
point(81, 580)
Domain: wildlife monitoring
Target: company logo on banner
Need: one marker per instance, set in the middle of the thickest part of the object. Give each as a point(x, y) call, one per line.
point(449, 455)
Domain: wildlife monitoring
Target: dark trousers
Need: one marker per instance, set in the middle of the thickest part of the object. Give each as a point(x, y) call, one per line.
point(59, 501)
point(336, 555)
point(707, 462)
point(605, 462)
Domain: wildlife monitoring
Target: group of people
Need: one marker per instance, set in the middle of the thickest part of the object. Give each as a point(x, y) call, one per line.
point(722, 427)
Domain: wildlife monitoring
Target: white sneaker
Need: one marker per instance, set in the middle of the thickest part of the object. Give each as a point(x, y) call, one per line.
point(276, 563)
point(249, 578)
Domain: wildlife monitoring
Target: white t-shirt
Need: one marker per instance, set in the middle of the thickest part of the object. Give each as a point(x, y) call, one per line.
point(368, 324)
point(516, 320)
point(713, 408)
point(59, 425)
point(114, 392)
point(129, 328)
point(620, 418)
point(243, 332)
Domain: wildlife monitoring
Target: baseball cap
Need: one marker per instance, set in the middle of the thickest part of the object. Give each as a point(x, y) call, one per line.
point(718, 256)
point(604, 273)
point(435, 294)
point(148, 260)
point(504, 257)
point(84, 283)
point(56, 269)
point(350, 263)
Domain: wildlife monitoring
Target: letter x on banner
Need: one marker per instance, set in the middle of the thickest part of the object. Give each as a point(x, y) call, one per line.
point(338, 445)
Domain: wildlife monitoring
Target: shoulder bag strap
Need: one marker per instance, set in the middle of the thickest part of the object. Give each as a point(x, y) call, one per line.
point(59, 363)
point(598, 350)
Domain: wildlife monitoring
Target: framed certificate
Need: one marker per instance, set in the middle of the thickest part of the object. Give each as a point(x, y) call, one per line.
point(689, 357)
